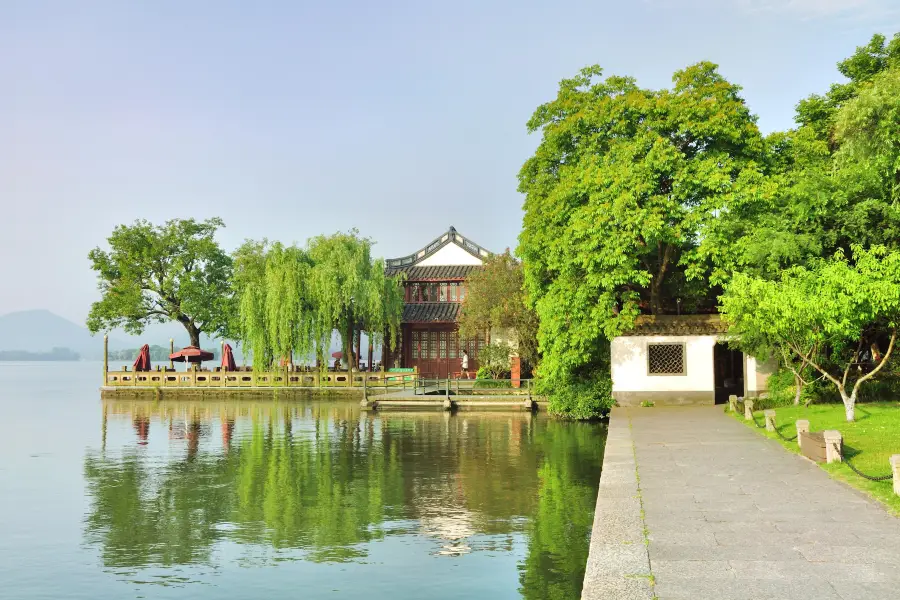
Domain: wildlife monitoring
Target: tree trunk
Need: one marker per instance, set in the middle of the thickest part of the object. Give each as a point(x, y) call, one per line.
point(798, 389)
point(849, 404)
point(348, 342)
point(654, 297)
point(193, 333)
point(371, 351)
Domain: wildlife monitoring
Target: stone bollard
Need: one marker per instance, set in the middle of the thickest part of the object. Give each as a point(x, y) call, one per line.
point(833, 445)
point(895, 467)
point(748, 409)
point(732, 403)
point(802, 427)
point(770, 420)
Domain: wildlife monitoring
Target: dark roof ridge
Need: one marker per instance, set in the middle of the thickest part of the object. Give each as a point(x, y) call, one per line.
point(448, 237)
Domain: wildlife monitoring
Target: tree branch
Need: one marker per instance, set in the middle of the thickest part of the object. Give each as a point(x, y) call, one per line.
point(883, 362)
point(815, 365)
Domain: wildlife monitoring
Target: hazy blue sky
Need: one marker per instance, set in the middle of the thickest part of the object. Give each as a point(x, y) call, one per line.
point(290, 119)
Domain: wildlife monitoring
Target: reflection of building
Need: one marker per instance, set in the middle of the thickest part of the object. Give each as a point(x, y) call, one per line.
point(435, 287)
point(452, 526)
point(682, 360)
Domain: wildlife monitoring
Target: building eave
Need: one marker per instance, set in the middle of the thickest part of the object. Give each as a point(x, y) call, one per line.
point(451, 236)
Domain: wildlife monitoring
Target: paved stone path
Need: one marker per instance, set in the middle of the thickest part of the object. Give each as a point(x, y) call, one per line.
point(729, 514)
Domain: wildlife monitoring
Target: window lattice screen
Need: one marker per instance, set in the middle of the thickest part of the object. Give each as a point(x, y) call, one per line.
point(666, 359)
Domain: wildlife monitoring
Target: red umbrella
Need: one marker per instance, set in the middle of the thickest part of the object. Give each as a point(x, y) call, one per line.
point(228, 359)
point(142, 362)
point(191, 354)
point(337, 355)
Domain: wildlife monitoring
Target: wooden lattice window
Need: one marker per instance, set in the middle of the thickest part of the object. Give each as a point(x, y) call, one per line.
point(433, 346)
point(442, 349)
point(452, 351)
point(416, 345)
point(666, 359)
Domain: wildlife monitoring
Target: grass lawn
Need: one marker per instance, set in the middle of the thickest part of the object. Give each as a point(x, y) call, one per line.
point(869, 442)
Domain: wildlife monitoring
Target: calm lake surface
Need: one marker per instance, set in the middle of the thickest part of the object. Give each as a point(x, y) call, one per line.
point(136, 499)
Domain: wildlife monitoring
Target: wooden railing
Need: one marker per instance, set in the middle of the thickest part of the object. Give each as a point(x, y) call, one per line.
point(260, 379)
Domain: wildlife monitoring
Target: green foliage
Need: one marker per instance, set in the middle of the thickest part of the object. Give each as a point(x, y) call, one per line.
point(290, 299)
point(579, 398)
point(158, 273)
point(493, 360)
point(351, 291)
point(647, 403)
point(495, 299)
point(619, 194)
point(818, 112)
point(832, 315)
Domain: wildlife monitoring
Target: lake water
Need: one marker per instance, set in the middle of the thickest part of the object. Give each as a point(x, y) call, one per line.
point(309, 499)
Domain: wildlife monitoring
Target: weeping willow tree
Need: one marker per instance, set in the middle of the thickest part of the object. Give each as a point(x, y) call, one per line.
point(352, 293)
point(275, 306)
point(290, 300)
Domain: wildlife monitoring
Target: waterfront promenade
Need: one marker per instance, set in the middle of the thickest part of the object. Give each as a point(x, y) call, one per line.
point(695, 505)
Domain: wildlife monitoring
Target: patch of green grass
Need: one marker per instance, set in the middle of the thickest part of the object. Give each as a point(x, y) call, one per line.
point(869, 441)
point(647, 404)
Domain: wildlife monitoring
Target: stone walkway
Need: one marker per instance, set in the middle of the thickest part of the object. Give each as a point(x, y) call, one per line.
point(703, 506)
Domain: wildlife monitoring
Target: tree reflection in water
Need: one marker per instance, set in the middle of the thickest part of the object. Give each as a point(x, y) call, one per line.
point(323, 480)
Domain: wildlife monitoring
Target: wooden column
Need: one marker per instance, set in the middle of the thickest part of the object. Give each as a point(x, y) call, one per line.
point(171, 351)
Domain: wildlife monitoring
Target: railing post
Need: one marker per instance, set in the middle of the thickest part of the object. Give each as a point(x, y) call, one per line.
point(770, 420)
point(802, 427)
point(732, 403)
point(833, 445)
point(748, 409)
point(895, 467)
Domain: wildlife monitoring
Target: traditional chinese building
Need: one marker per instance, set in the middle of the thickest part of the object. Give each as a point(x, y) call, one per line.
point(435, 288)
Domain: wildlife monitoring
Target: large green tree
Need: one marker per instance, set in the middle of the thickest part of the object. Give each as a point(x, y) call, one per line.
point(290, 300)
point(158, 273)
point(830, 183)
point(276, 317)
point(351, 291)
point(618, 195)
point(837, 316)
point(495, 298)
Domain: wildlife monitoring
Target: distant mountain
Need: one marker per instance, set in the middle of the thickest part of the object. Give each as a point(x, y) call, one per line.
point(41, 331)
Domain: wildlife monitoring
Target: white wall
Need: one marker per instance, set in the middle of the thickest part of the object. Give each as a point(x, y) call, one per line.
point(756, 379)
point(629, 365)
point(451, 254)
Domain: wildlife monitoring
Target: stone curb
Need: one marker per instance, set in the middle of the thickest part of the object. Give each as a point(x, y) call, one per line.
point(618, 565)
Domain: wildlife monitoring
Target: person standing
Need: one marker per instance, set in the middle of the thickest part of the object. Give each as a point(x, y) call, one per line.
point(465, 364)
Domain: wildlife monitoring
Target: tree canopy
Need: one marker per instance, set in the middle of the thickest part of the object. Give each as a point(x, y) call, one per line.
point(838, 316)
point(158, 273)
point(290, 300)
point(617, 198)
point(495, 298)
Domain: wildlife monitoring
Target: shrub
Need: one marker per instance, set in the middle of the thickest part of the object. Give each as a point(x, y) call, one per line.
point(579, 398)
point(493, 360)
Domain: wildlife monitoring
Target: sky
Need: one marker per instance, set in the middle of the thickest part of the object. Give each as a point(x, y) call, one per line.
point(290, 119)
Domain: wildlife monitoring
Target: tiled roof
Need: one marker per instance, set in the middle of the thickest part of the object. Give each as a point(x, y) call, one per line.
point(431, 312)
point(678, 325)
point(435, 272)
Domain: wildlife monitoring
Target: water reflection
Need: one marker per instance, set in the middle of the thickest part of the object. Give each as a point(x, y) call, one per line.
point(177, 483)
